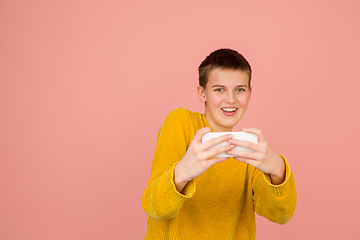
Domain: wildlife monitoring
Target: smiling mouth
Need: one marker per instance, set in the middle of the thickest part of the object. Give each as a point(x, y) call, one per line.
point(229, 110)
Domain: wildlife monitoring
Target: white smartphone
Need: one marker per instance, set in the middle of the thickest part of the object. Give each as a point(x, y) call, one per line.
point(236, 135)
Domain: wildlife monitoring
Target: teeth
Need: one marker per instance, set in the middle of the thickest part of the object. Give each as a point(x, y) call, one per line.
point(229, 109)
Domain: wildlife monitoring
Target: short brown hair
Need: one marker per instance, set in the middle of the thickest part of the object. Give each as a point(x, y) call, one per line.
point(225, 59)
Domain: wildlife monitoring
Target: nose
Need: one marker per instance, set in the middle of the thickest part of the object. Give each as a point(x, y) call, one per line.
point(230, 97)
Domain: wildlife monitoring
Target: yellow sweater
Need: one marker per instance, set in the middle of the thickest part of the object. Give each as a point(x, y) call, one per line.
point(219, 204)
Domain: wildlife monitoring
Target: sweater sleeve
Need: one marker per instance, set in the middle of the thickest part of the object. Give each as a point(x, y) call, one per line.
point(274, 202)
point(160, 199)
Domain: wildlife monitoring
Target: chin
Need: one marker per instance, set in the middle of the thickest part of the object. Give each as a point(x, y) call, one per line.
point(232, 122)
point(229, 124)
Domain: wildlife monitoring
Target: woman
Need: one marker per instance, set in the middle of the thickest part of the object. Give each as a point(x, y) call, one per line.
point(191, 194)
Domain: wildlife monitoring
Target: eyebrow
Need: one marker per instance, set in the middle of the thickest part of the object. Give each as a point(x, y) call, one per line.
point(218, 85)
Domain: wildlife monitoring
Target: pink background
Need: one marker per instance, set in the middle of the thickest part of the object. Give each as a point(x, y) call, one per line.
point(86, 85)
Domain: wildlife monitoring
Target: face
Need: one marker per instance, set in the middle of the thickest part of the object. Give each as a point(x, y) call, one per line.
point(227, 95)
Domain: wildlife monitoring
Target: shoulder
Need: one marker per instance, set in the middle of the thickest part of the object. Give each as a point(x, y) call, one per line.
point(181, 123)
point(181, 115)
point(181, 120)
point(181, 112)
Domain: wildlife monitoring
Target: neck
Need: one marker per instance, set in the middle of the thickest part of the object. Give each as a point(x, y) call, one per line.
point(216, 127)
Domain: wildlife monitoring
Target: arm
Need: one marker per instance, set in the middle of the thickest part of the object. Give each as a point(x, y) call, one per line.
point(273, 184)
point(274, 202)
point(198, 159)
point(160, 199)
point(176, 164)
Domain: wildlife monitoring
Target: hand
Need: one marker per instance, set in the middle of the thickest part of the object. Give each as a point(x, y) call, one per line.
point(263, 158)
point(197, 158)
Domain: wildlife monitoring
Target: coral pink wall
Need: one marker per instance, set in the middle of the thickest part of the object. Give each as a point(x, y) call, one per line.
point(86, 85)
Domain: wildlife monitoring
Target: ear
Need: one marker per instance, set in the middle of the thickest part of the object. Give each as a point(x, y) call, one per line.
point(201, 94)
point(250, 91)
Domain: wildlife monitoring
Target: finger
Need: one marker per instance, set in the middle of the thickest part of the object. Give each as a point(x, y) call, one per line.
point(253, 163)
point(242, 154)
point(246, 144)
point(256, 131)
point(216, 151)
point(200, 133)
point(214, 141)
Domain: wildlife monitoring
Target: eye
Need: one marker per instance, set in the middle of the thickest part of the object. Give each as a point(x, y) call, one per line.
point(219, 90)
point(241, 90)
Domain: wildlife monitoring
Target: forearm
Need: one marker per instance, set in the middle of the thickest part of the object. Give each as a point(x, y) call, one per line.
point(275, 202)
point(278, 176)
point(161, 200)
point(280, 203)
point(179, 180)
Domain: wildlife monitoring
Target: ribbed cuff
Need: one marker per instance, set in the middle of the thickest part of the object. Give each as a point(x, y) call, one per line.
point(189, 188)
point(175, 200)
point(281, 189)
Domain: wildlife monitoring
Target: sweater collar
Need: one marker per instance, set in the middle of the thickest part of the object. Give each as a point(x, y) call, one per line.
point(206, 124)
